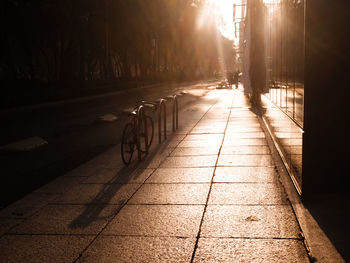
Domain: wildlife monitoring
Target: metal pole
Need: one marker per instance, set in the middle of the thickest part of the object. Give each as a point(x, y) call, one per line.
point(161, 107)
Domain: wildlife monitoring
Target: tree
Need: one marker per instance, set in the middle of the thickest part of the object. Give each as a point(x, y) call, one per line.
point(53, 40)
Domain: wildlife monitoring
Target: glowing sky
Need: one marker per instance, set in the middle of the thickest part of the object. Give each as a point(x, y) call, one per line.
point(223, 12)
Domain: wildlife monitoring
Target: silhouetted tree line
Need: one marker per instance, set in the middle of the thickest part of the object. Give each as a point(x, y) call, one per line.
point(53, 40)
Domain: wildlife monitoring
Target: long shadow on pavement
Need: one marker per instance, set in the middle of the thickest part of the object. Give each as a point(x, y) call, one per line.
point(110, 189)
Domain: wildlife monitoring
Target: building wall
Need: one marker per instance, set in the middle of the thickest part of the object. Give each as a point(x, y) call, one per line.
point(284, 48)
point(308, 73)
point(327, 54)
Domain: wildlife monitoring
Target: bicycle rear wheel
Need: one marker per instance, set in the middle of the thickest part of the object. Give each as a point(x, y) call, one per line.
point(128, 143)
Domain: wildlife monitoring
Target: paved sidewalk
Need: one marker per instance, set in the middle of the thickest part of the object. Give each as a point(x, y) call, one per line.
point(210, 193)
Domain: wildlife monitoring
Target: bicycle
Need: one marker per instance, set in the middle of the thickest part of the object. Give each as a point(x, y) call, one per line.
point(137, 132)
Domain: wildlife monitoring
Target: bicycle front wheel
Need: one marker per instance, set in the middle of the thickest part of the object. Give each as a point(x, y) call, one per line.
point(128, 143)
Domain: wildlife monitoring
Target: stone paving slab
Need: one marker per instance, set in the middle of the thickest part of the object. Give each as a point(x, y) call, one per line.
point(171, 194)
point(42, 248)
point(207, 130)
point(190, 151)
point(67, 220)
point(60, 185)
point(237, 124)
point(249, 121)
point(242, 114)
point(182, 175)
point(139, 249)
point(247, 194)
point(176, 137)
point(104, 176)
point(110, 163)
point(194, 161)
point(27, 206)
point(216, 113)
point(245, 160)
point(173, 143)
point(157, 220)
point(213, 121)
point(293, 142)
point(247, 149)
point(181, 130)
point(283, 129)
point(84, 170)
point(247, 135)
point(97, 194)
point(294, 149)
point(152, 161)
point(197, 143)
point(222, 250)
point(245, 174)
point(204, 137)
point(239, 129)
point(208, 125)
point(244, 142)
point(250, 221)
point(289, 135)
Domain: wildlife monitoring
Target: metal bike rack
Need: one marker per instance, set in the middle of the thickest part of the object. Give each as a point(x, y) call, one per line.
point(140, 114)
point(139, 117)
point(175, 111)
point(161, 108)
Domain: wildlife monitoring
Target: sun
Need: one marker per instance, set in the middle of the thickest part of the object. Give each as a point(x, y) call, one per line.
point(223, 12)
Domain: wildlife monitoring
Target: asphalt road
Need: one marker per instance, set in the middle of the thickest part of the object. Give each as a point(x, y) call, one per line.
point(72, 133)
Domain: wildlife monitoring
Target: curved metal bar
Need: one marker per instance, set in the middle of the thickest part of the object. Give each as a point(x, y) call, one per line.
point(175, 110)
point(175, 113)
point(149, 105)
point(161, 108)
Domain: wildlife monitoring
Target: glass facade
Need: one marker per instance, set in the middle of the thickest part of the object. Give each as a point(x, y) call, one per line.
point(284, 47)
point(285, 56)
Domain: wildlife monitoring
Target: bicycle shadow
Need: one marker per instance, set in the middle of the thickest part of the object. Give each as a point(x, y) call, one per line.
point(114, 187)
